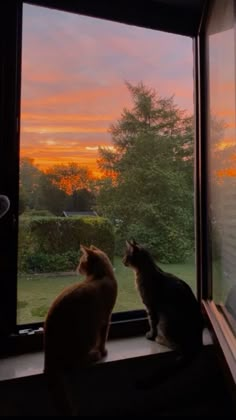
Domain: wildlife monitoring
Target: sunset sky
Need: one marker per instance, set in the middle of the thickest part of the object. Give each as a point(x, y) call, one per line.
point(73, 73)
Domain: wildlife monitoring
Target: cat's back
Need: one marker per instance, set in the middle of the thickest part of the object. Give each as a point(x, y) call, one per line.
point(82, 298)
point(177, 288)
point(180, 302)
point(80, 313)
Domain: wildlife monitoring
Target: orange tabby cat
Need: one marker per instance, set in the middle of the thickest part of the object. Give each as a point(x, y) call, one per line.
point(77, 323)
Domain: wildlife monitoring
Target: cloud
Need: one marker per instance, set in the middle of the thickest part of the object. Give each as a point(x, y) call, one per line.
point(63, 129)
point(92, 148)
point(49, 142)
point(73, 73)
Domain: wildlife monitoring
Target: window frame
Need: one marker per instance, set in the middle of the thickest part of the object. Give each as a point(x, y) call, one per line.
point(223, 335)
point(10, 125)
point(125, 323)
point(10, 50)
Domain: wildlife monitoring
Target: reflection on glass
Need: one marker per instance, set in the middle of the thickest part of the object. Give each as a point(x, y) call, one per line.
point(222, 154)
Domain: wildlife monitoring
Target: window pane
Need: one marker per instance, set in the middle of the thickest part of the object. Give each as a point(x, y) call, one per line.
point(106, 131)
point(222, 154)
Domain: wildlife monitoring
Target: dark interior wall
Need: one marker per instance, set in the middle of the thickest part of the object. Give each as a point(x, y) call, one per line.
point(196, 390)
point(124, 388)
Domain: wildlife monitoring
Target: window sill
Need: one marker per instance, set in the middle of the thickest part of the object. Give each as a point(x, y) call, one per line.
point(31, 364)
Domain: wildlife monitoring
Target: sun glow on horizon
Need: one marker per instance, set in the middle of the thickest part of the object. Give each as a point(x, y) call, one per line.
point(73, 81)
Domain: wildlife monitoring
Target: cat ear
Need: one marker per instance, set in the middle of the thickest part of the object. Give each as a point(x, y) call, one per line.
point(129, 245)
point(84, 249)
point(94, 248)
point(133, 242)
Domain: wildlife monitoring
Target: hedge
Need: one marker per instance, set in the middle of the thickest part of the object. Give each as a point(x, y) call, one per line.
point(52, 243)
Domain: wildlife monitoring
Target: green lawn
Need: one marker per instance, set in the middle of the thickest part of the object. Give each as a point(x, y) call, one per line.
point(37, 291)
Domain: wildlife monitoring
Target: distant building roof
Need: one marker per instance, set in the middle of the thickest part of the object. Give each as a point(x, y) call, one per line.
point(79, 213)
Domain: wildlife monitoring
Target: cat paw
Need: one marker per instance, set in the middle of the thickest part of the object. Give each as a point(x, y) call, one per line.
point(150, 335)
point(95, 356)
point(104, 352)
point(160, 339)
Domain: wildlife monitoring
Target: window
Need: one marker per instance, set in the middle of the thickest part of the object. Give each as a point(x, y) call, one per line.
point(106, 131)
point(222, 156)
point(215, 37)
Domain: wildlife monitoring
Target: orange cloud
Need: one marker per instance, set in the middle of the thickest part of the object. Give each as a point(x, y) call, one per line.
point(65, 123)
point(73, 72)
point(45, 161)
point(62, 129)
point(54, 154)
point(83, 96)
point(45, 119)
point(39, 117)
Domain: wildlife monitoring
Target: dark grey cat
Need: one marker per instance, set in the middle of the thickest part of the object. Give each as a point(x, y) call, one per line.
point(174, 314)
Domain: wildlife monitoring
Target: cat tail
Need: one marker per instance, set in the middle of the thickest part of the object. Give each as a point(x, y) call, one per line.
point(56, 385)
point(54, 381)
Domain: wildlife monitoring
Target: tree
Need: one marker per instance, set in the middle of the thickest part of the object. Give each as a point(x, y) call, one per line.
point(29, 182)
point(153, 115)
point(149, 175)
point(81, 200)
point(70, 177)
point(37, 191)
point(51, 197)
point(22, 200)
point(54, 190)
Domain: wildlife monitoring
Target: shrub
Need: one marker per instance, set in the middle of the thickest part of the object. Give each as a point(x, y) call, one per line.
point(46, 263)
point(37, 213)
point(171, 246)
point(52, 243)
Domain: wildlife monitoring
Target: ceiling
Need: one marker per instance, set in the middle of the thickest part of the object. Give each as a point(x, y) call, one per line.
point(180, 2)
point(176, 16)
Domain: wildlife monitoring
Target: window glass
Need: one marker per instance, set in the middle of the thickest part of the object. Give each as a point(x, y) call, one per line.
point(222, 155)
point(106, 152)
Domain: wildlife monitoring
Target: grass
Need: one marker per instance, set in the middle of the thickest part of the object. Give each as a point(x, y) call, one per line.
point(37, 291)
